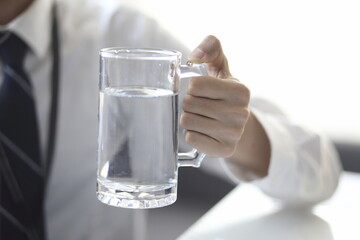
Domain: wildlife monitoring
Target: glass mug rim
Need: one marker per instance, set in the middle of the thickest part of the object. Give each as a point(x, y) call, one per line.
point(139, 53)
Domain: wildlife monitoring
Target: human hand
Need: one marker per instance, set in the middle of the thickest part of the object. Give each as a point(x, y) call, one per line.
point(215, 106)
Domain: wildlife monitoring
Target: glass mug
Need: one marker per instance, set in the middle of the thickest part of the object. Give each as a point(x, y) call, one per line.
point(138, 155)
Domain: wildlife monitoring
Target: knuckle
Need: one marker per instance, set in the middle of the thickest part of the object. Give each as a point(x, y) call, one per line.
point(234, 134)
point(229, 135)
point(241, 93)
point(235, 116)
point(246, 113)
point(240, 116)
point(238, 132)
point(246, 93)
point(214, 41)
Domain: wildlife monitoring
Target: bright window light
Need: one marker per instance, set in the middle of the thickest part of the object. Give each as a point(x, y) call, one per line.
point(302, 55)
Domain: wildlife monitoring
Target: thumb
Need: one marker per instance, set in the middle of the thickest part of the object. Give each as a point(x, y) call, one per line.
point(210, 51)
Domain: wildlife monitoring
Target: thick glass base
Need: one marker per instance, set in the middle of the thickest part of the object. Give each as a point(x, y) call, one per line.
point(136, 196)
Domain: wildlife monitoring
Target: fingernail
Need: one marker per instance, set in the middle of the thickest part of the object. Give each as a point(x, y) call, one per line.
point(197, 54)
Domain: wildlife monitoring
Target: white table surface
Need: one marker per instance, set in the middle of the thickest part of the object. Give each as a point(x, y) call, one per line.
point(246, 213)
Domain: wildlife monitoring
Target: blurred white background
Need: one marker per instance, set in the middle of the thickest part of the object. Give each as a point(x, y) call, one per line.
point(302, 55)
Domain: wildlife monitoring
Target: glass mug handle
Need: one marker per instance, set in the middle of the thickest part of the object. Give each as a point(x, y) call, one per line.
point(192, 158)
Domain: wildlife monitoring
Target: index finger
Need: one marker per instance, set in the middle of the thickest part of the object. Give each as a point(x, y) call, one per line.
point(230, 90)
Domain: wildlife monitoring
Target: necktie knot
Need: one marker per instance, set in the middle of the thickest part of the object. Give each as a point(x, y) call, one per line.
point(12, 49)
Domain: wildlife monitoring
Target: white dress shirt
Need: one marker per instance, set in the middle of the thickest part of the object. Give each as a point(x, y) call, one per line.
point(304, 165)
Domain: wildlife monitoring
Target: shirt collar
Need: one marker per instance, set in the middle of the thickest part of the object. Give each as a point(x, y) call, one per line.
point(33, 26)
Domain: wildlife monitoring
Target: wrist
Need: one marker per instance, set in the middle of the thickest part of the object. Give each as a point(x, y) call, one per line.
point(253, 149)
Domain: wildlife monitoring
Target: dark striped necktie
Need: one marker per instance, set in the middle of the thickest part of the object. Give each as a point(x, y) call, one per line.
point(21, 175)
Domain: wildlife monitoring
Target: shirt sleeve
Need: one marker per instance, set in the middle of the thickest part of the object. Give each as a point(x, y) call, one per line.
point(304, 165)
